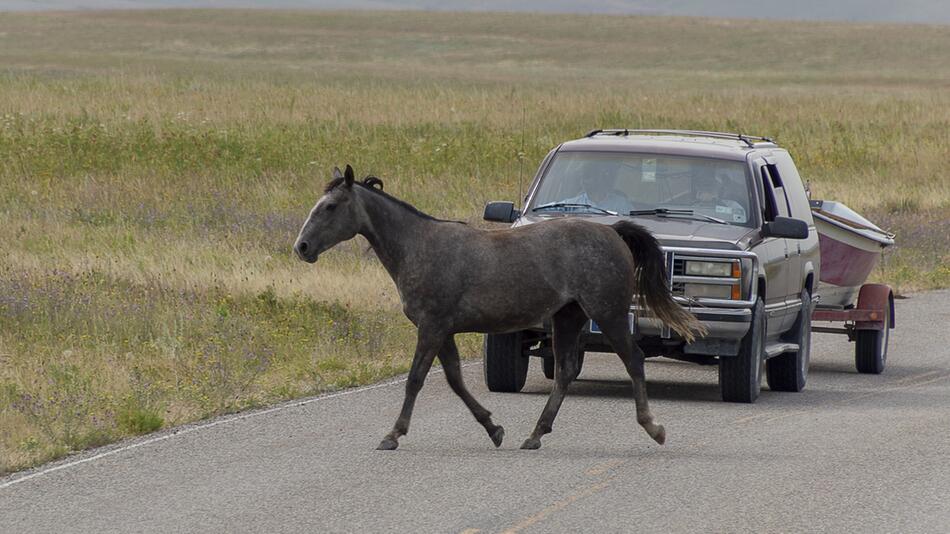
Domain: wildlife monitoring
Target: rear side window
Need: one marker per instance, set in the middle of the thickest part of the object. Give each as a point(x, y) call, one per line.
point(776, 198)
point(794, 189)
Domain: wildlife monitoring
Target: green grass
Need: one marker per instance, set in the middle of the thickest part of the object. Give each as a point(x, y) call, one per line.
point(155, 168)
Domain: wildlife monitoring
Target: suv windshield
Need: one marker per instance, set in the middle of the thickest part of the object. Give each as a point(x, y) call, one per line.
point(602, 182)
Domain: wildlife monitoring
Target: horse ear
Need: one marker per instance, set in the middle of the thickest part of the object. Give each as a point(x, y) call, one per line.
point(348, 175)
point(337, 173)
point(373, 181)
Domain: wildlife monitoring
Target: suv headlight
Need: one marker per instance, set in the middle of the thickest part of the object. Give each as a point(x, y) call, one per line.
point(724, 269)
point(718, 289)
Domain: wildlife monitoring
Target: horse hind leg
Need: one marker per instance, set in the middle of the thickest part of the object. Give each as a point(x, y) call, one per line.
point(449, 356)
point(427, 346)
point(567, 324)
point(617, 332)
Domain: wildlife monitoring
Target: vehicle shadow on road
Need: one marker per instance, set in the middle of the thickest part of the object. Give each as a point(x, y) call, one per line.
point(843, 367)
point(636, 446)
point(680, 391)
point(656, 389)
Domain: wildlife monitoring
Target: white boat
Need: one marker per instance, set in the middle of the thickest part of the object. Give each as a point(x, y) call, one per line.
point(850, 249)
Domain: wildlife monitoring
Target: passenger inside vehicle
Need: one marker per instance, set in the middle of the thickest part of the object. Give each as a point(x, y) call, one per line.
point(712, 196)
point(598, 188)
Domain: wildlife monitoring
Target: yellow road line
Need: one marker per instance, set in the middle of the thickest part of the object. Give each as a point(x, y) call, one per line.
point(600, 469)
point(559, 505)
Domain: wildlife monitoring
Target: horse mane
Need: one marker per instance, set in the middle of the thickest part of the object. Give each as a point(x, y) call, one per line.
point(374, 184)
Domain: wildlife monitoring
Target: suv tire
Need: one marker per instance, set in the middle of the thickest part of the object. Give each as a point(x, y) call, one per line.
point(506, 364)
point(740, 376)
point(789, 371)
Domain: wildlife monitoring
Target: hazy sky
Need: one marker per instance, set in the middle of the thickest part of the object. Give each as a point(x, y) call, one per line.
point(926, 11)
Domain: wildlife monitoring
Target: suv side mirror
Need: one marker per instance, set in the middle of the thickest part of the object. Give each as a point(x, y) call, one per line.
point(501, 212)
point(786, 227)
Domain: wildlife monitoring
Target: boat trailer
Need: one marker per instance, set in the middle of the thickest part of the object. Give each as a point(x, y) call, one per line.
point(867, 324)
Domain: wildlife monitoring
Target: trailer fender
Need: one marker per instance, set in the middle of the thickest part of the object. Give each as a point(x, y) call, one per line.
point(878, 299)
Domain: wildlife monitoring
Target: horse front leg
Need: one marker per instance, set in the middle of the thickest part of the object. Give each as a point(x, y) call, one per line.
point(567, 324)
point(427, 346)
point(449, 356)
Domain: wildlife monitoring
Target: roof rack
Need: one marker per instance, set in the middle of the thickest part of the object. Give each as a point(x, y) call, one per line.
point(747, 139)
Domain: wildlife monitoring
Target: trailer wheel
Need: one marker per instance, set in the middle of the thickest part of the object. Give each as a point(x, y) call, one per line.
point(506, 364)
point(740, 376)
point(870, 347)
point(789, 371)
point(547, 365)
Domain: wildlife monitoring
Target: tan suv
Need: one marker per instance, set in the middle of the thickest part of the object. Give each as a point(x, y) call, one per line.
point(742, 253)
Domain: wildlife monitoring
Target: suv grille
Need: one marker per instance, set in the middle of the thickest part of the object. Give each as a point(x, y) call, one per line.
point(679, 266)
point(679, 269)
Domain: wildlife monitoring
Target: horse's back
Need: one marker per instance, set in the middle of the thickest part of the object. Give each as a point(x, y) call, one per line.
point(523, 274)
point(574, 241)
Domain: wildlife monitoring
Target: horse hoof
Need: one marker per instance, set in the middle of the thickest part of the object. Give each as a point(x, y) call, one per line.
point(388, 444)
point(659, 435)
point(531, 444)
point(497, 436)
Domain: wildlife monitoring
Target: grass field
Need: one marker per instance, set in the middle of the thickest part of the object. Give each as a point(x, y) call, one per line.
point(156, 166)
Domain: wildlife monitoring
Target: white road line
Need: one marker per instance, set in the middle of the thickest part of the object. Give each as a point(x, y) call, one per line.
point(202, 426)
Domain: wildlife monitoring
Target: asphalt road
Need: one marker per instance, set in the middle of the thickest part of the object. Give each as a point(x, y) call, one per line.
point(851, 453)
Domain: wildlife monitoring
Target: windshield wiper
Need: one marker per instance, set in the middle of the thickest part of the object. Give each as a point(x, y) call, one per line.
point(660, 211)
point(555, 205)
point(670, 212)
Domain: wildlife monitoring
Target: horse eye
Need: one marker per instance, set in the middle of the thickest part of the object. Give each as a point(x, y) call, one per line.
point(331, 207)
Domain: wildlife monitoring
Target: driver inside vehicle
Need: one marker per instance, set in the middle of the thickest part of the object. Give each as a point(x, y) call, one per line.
point(709, 198)
point(598, 189)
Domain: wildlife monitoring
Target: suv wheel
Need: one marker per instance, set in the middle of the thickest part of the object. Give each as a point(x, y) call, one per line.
point(506, 364)
point(740, 376)
point(788, 372)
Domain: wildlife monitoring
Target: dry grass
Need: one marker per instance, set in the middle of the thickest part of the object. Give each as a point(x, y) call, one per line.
point(155, 167)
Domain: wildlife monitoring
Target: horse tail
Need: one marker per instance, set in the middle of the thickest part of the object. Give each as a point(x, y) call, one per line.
point(652, 284)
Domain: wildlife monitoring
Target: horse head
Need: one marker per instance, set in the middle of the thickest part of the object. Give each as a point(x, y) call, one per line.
point(336, 217)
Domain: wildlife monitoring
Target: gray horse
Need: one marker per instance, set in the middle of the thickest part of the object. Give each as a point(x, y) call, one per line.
point(454, 278)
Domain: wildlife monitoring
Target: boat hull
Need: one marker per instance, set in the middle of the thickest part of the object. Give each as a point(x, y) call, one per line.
point(844, 269)
point(850, 248)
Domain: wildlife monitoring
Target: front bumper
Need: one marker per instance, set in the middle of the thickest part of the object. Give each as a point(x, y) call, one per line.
point(725, 328)
point(720, 323)
point(726, 321)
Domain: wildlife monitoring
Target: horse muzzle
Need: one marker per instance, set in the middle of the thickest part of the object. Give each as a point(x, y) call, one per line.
point(306, 252)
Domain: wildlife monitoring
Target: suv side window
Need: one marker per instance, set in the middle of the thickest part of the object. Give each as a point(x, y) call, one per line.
point(795, 189)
